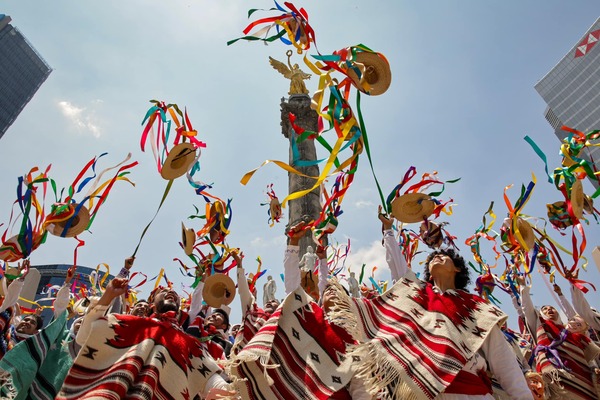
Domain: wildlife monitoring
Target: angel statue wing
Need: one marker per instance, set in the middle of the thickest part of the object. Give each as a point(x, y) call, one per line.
point(281, 68)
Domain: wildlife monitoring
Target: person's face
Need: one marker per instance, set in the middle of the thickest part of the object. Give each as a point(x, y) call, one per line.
point(77, 325)
point(166, 300)
point(235, 330)
point(550, 312)
point(536, 385)
point(577, 325)
point(141, 309)
point(442, 265)
point(329, 298)
point(217, 320)
point(28, 325)
point(271, 306)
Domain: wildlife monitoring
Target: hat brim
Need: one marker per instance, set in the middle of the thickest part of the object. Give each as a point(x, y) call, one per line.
point(370, 63)
point(188, 239)
point(179, 161)
point(577, 199)
point(526, 232)
point(588, 204)
point(219, 289)
point(78, 222)
point(412, 207)
point(431, 234)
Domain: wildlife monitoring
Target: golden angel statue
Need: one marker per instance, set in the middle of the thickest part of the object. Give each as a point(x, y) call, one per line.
point(293, 73)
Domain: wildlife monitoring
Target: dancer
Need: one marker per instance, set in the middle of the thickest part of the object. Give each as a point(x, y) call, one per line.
point(430, 338)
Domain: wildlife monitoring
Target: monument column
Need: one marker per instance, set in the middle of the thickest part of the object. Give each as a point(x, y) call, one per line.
point(308, 207)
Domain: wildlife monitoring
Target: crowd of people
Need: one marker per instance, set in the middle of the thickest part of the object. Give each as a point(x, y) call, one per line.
point(424, 337)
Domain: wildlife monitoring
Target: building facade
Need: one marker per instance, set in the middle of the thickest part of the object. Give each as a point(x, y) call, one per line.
point(572, 90)
point(45, 279)
point(22, 72)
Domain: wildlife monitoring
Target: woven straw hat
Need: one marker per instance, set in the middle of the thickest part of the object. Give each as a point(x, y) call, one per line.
point(376, 73)
point(588, 204)
point(188, 239)
point(218, 289)
point(558, 215)
point(412, 207)
point(11, 251)
point(431, 233)
point(526, 232)
point(179, 161)
point(577, 199)
point(78, 222)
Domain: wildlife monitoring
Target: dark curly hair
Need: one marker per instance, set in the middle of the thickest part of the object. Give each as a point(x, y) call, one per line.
point(462, 278)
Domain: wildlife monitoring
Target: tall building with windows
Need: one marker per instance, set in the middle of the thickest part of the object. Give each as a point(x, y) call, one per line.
point(22, 72)
point(572, 90)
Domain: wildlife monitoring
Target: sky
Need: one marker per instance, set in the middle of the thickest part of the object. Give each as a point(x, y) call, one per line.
point(460, 103)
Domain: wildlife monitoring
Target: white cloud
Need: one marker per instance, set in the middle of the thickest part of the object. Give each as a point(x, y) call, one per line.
point(364, 204)
point(373, 256)
point(277, 241)
point(82, 119)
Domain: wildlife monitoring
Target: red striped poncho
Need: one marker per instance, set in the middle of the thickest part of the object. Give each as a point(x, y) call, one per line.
point(132, 357)
point(575, 352)
point(297, 354)
point(418, 340)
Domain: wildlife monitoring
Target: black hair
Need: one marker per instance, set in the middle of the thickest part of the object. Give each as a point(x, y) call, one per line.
point(224, 314)
point(462, 278)
point(39, 321)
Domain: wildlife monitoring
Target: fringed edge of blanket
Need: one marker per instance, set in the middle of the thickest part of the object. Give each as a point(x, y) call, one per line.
point(553, 381)
point(341, 313)
point(377, 372)
point(7, 388)
point(237, 360)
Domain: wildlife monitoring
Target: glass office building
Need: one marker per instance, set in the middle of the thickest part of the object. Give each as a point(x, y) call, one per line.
point(572, 90)
point(22, 72)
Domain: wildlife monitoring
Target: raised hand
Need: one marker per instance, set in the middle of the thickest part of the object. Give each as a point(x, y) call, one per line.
point(386, 222)
point(296, 233)
point(70, 273)
point(129, 263)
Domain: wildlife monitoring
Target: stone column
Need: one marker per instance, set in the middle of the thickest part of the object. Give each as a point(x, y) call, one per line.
point(306, 208)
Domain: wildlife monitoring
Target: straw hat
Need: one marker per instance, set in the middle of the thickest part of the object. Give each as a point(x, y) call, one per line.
point(179, 161)
point(412, 207)
point(376, 72)
point(431, 233)
point(577, 199)
point(188, 239)
point(218, 289)
point(275, 209)
point(293, 25)
point(11, 251)
point(558, 215)
point(526, 232)
point(588, 204)
point(55, 223)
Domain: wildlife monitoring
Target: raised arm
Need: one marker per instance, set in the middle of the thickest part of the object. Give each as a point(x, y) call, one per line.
point(292, 277)
point(566, 306)
point(323, 268)
point(246, 297)
point(394, 257)
point(63, 297)
point(117, 306)
point(531, 315)
point(196, 303)
point(115, 288)
point(583, 308)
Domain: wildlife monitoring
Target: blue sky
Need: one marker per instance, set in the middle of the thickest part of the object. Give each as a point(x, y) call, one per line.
point(460, 103)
